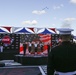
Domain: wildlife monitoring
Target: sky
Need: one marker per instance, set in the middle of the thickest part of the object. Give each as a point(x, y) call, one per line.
point(38, 13)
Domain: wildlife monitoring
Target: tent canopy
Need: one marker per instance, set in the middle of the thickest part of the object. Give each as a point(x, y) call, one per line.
point(23, 30)
point(46, 31)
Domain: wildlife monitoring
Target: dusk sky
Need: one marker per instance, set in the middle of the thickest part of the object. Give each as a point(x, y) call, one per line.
point(38, 13)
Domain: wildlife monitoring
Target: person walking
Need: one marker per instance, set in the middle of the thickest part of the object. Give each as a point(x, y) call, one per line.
point(62, 58)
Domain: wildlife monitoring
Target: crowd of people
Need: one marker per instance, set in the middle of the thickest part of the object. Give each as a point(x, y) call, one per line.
point(35, 47)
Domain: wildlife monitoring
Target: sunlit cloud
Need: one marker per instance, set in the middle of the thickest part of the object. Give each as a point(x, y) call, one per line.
point(58, 7)
point(34, 22)
point(70, 19)
point(73, 1)
point(39, 12)
point(67, 23)
point(61, 5)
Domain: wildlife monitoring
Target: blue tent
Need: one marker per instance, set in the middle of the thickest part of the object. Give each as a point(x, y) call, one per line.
point(46, 31)
point(23, 30)
point(1, 31)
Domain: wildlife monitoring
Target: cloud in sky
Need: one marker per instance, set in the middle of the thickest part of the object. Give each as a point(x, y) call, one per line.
point(34, 22)
point(70, 19)
point(39, 12)
point(58, 7)
point(68, 22)
point(73, 1)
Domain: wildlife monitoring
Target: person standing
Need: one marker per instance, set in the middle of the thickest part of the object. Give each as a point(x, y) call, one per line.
point(36, 47)
point(29, 47)
point(24, 47)
point(32, 48)
point(42, 46)
point(62, 58)
point(1, 46)
point(48, 47)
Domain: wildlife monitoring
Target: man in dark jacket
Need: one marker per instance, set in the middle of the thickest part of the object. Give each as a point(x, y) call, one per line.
point(24, 47)
point(62, 58)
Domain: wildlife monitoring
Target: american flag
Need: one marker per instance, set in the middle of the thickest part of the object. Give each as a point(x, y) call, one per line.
point(45, 38)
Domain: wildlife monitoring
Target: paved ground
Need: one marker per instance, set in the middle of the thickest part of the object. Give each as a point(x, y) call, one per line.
point(44, 69)
point(11, 63)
